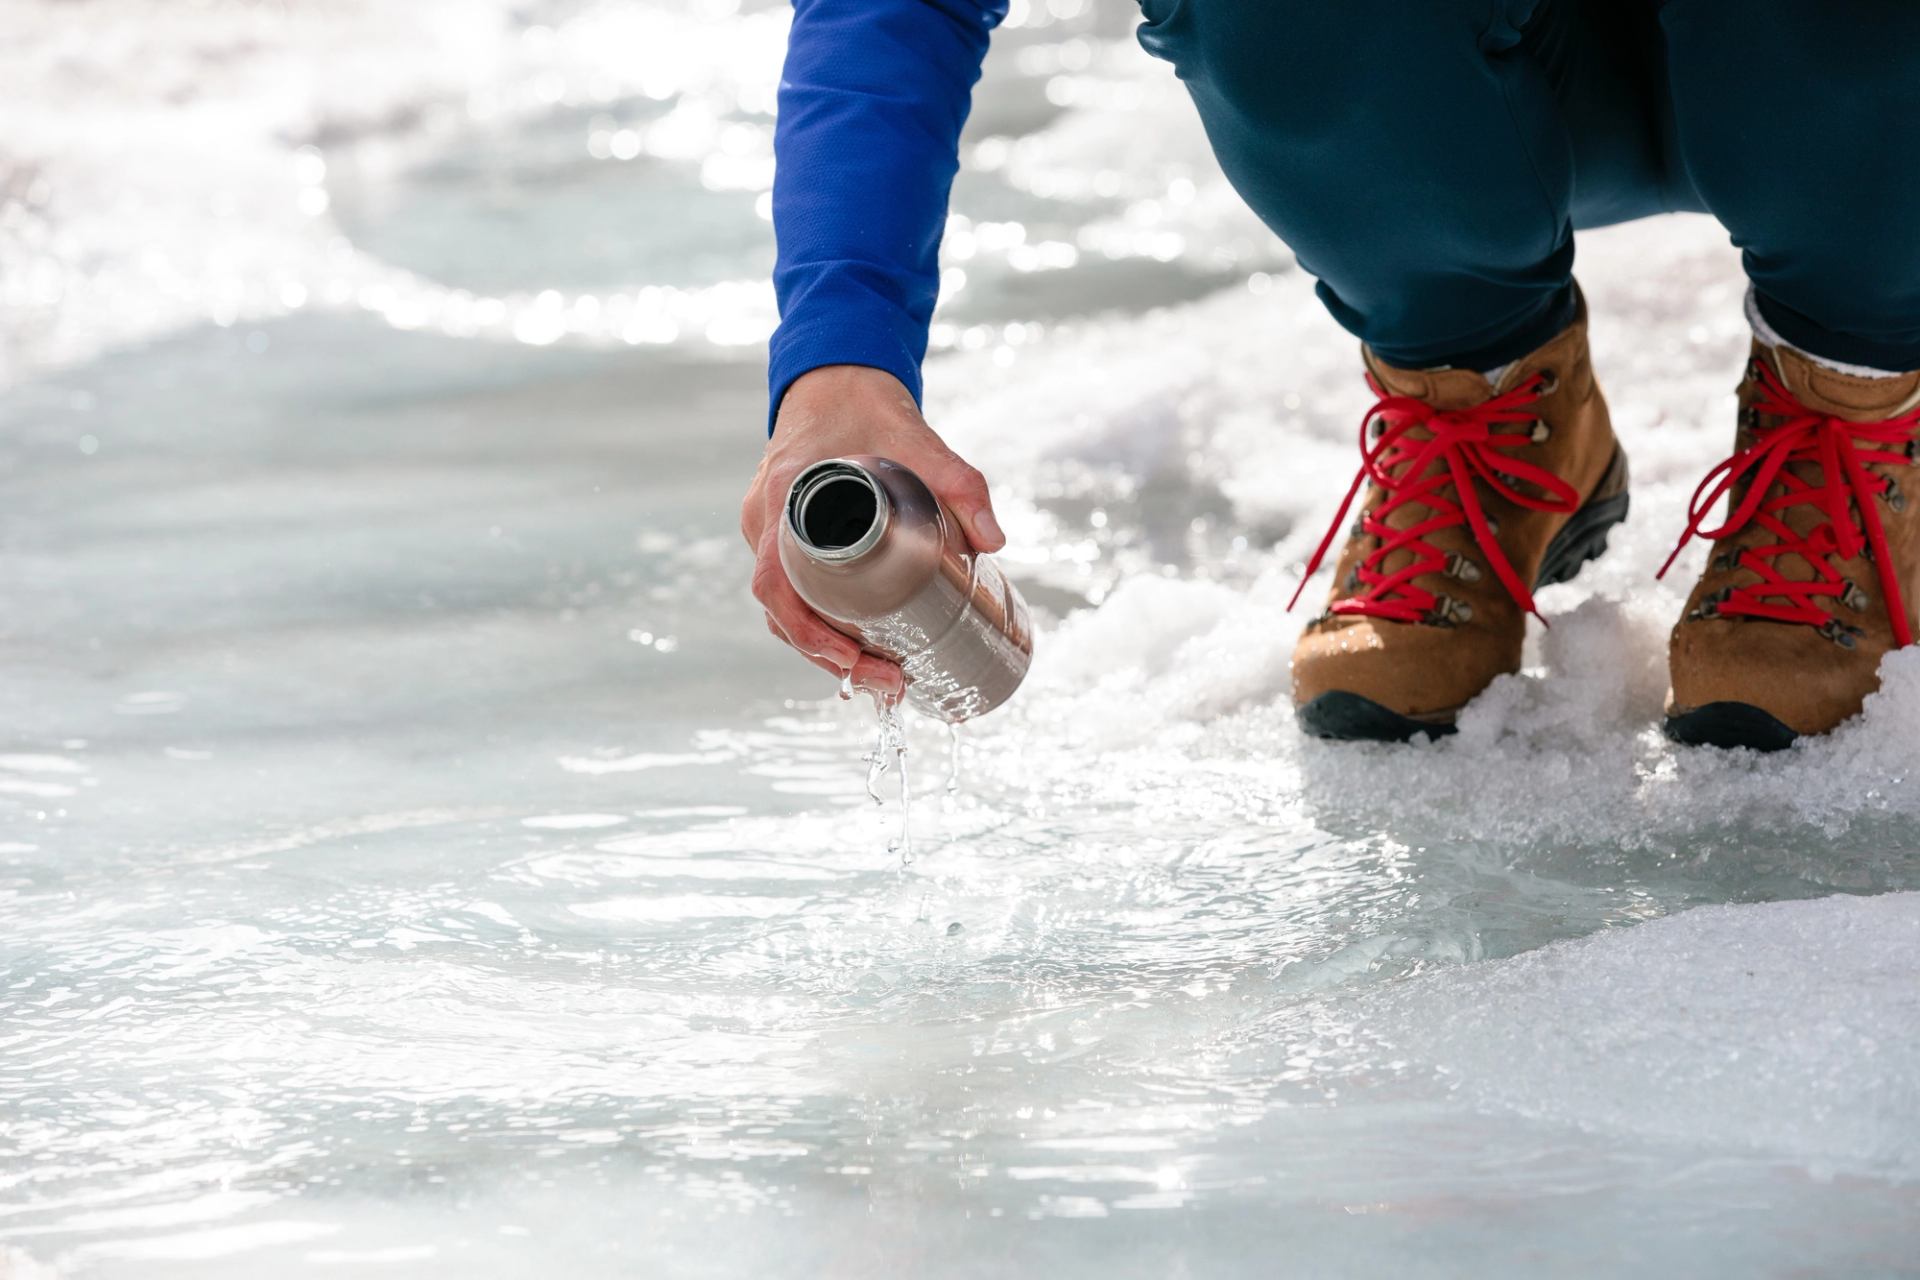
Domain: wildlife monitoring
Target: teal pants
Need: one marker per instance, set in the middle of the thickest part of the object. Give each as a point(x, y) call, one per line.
point(1429, 160)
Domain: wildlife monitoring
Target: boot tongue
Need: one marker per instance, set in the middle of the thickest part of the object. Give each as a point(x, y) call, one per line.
point(1442, 388)
point(1842, 395)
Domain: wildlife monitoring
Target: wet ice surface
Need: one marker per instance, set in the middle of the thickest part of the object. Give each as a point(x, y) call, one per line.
point(415, 861)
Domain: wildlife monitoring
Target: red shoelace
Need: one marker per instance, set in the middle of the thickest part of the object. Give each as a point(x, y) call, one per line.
point(1408, 437)
point(1843, 451)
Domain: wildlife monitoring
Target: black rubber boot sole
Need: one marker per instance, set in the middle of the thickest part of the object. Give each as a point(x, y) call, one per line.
point(1730, 724)
point(1583, 538)
point(1350, 717)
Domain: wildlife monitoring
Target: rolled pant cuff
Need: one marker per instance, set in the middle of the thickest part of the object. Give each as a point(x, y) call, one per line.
point(1555, 313)
point(1873, 354)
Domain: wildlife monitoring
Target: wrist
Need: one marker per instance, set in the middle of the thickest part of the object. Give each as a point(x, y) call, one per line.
point(842, 393)
point(825, 348)
point(837, 383)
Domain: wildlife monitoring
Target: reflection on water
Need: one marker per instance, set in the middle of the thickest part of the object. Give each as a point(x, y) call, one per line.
point(413, 855)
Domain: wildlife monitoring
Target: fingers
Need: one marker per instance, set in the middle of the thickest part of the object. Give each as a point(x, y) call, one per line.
point(876, 673)
point(825, 664)
point(793, 623)
point(964, 490)
point(870, 671)
point(800, 626)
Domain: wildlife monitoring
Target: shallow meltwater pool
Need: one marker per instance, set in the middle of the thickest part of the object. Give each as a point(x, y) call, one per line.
point(416, 860)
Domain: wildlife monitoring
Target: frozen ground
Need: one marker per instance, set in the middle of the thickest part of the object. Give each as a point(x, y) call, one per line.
point(415, 860)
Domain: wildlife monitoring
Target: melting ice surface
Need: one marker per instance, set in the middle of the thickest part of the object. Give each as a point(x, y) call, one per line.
point(415, 860)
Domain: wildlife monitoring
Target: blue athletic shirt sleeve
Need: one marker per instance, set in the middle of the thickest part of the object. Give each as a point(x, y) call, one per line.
point(866, 144)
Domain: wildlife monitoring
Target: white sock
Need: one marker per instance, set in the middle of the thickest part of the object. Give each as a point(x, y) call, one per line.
point(1767, 334)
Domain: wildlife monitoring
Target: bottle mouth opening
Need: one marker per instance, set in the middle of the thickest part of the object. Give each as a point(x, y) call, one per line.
point(835, 510)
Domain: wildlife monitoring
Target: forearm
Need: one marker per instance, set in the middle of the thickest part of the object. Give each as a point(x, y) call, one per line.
point(871, 104)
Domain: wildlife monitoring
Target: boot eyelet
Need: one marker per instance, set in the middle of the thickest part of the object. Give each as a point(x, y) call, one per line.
point(1493, 525)
point(1913, 452)
point(1853, 597)
point(1709, 606)
point(1549, 382)
point(1448, 612)
point(1541, 432)
point(1376, 426)
point(1896, 500)
point(1458, 566)
point(1840, 633)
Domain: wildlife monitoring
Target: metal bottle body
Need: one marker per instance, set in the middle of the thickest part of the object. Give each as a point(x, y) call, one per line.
point(868, 547)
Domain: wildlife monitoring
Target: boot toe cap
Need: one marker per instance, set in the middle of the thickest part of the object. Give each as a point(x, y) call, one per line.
point(1785, 672)
point(1418, 672)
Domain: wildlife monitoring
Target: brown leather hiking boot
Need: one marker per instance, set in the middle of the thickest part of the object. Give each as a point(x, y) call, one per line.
point(1814, 579)
point(1479, 494)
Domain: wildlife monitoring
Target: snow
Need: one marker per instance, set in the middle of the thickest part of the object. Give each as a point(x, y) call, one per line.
point(1789, 1027)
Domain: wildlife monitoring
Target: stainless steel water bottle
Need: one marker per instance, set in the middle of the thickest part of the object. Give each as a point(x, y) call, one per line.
point(869, 547)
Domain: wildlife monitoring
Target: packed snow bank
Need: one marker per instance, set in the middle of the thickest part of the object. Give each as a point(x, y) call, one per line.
point(1790, 1026)
point(1181, 490)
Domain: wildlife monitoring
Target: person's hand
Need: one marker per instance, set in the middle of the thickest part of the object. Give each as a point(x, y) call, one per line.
point(834, 412)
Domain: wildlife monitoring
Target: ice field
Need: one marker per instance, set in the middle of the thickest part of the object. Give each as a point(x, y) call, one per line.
point(416, 859)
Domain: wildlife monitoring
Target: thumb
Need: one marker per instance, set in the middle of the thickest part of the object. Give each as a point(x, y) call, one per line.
point(964, 490)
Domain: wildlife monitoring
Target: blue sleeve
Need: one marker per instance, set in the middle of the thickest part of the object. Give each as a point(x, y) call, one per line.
point(866, 144)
